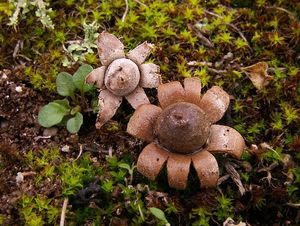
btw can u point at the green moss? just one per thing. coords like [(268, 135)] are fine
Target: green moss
[(38, 210), (270, 115)]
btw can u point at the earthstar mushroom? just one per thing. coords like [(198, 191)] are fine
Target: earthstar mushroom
[(122, 75), (181, 132)]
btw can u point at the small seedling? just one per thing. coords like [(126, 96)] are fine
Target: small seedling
[(83, 50), (159, 214), (200, 216), (61, 112)]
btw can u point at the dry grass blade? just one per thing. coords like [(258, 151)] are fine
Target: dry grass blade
[(230, 25), (63, 212), (205, 41), (126, 11)]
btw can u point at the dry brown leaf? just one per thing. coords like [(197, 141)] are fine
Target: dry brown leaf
[(258, 75), (260, 149), (235, 176)]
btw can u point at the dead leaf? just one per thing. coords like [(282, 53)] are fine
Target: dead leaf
[(260, 149), (235, 177), (258, 75)]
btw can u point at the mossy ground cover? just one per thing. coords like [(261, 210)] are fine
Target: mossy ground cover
[(213, 40)]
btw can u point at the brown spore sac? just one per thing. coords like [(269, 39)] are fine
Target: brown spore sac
[(122, 77), (182, 127)]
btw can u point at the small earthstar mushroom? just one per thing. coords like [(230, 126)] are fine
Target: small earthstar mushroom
[(182, 132), (122, 75)]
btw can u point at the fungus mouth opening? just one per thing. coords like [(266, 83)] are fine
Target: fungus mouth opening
[(122, 77), (182, 128)]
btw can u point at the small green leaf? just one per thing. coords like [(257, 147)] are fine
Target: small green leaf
[(79, 78), (64, 83), (63, 102), (74, 124), (159, 214), (52, 114), (124, 166), (107, 186), (75, 109), (296, 172)]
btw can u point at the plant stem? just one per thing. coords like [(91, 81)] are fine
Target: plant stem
[(126, 11), (63, 212)]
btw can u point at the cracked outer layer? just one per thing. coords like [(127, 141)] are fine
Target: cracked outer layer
[(122, 77), (182, 128)]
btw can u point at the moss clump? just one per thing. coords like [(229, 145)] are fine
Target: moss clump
[(212, 40)]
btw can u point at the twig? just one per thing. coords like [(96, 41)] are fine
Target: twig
[(291, 15), (25, 174), (41, 137), (199, 63), (268, 169), (24, 57), (17, 48), (240, 33), (205, 41), (213, 14), (63, 212), (110, 152), (222, 179), (143, 4), (293, 204), (232, 26), (80, 152), (235, 177), (215, 71), (126, 11), (206, 64)]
